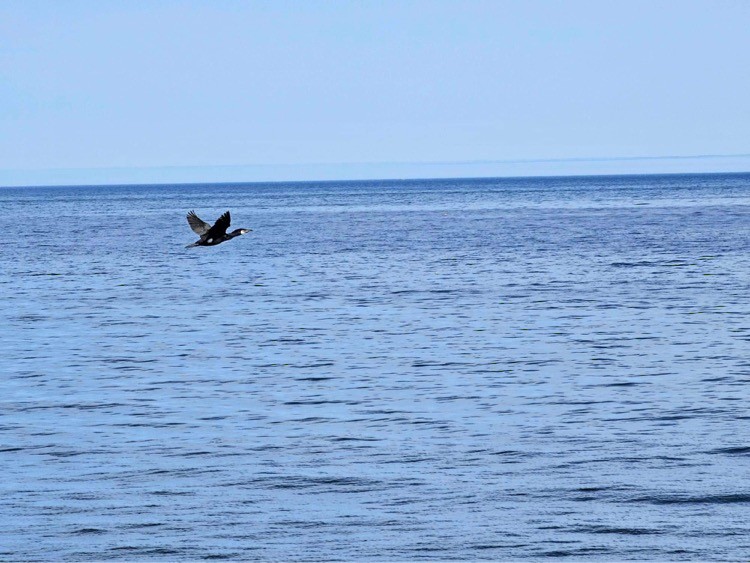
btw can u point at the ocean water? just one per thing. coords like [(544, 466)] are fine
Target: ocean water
[(401, 370)]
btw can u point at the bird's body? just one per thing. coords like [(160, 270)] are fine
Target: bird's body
[(211, 236)]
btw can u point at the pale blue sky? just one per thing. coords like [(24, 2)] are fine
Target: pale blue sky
[(218, 90)]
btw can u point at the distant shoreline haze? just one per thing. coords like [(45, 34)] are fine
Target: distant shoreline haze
[(377, 171)]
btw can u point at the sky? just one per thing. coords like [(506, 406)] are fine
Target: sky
[(220, 90)]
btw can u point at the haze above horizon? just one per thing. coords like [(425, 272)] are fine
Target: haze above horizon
[(137, 91)]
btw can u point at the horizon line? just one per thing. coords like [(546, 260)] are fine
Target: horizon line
[(411, 179), (374, 171), (383, 163)]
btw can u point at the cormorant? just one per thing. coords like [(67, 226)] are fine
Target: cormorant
[(211, 236)]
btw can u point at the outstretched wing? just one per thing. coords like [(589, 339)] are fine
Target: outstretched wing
[(220, 227), (199, 227)]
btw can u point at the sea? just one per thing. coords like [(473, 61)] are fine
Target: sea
[(401, 370)]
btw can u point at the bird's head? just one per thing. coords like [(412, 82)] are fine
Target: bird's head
[(238, 232)]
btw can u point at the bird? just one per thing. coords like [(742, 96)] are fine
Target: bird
[(211, 236)]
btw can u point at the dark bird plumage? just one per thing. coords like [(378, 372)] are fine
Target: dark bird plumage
[(211, 236)]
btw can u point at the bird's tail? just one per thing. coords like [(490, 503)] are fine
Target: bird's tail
[(191, 245)]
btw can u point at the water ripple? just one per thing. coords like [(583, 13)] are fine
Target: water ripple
[(456, 370)]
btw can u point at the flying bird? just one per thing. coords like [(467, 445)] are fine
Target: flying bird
[(211, 236)]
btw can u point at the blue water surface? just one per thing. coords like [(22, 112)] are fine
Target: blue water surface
[(399, 370)]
